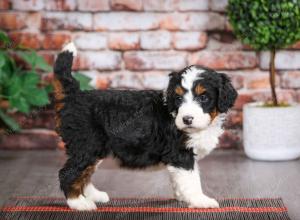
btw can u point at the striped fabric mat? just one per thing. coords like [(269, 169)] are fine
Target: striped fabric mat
[(37, 208)]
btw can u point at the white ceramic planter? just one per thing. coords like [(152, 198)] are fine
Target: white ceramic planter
[(271, 133)]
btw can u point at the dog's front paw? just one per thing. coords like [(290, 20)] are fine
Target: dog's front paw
[(203, 201)]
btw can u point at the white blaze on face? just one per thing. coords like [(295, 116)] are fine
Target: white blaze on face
[(189, 106)]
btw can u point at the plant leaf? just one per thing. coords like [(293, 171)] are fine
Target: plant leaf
[(84, 81), (2, 59), (42, 64), (4, 38), (37, 97), (30, 80), (14, 86), (34, 60), (11, 123), (29, 57), (19, 103), (49, 88)]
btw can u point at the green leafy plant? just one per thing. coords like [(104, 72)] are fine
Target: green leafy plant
[(266, 25), (84, 81), (21, 87)]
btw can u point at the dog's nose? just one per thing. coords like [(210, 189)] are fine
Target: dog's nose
[(187, 120)]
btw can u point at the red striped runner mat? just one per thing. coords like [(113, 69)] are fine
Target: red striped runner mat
[(35, 208)]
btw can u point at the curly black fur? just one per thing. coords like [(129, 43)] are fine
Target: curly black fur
[(134, 126)]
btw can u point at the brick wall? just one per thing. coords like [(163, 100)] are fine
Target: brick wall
[(135, 43)]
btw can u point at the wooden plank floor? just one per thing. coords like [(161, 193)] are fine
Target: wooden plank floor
[(223, 173)]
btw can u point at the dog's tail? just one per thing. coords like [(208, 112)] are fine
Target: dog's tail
[(64, 84)]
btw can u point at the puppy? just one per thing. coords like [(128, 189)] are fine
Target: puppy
[(140, 129)]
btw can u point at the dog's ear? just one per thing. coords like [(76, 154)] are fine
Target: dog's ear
[(172, 75), (227, 94), (174, 79)]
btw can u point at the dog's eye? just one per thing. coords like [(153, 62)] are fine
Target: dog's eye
[(202, 98), (178, 98)]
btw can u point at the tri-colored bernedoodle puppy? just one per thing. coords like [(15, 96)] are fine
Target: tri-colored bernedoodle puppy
[(175, 127)]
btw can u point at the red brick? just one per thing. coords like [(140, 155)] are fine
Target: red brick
[(98, 60), (48, 56), (158, 5), (218, 5), (4, 4), (55, 40), (243, 98), (102, 84), (287, 60), (173, 5), (192, 5), (69, 21), (290, 79), (90, 41), (224, 42), (33, 21), (230, 139), (224, 60), (29, 40), (258, 81), (172, 21), (134, 5), (189, 40), (126, 21), (93, 5), (30, 139), (60, 5), (228, 26), (98, 80), (28, 5), (234, 120), (126, 80), (130, 80), (12, 20), (124, 41), (287, 96), (155, 80), (154, 60), (193, 21), (155, 40), (237, 79)]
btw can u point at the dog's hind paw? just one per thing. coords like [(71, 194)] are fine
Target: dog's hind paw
[(94, 194), (81, 204)]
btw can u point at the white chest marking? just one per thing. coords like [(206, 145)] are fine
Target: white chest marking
[(203, 142)]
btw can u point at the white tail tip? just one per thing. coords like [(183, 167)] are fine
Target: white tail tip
[(70, 47)]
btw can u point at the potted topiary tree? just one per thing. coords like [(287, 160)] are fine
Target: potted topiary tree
[(272, 129)]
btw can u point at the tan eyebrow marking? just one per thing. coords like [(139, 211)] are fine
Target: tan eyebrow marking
[(179, 90), (199, 90)]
